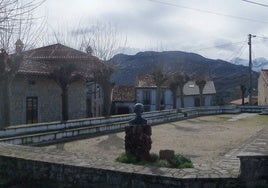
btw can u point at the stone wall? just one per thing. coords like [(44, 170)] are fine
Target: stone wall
[(48, 94), (53, 132), (49, 99), (71, 175), (254, 167)]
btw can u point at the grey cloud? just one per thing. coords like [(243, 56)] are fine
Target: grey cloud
[(224, 44)]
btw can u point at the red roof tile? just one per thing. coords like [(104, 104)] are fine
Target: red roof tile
[(123, 94)]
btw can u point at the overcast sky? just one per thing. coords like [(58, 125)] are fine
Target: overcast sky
[(216, 29)]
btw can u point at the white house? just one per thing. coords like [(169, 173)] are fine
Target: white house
[(146, 94)]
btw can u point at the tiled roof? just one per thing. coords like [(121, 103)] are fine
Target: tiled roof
[(123, 94), (40, 61), (55, 52), (190, 88), (146, 81), (34, 67)]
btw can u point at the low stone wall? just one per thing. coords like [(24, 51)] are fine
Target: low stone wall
[(253, 167), (108, 126), (86, 175), (52, 126), (252, 109), (254, 161), (210, 110)]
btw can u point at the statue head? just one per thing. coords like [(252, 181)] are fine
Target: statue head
[(139, 108)]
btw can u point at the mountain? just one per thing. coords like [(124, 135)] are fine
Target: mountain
[(227, 77), (257, 64)]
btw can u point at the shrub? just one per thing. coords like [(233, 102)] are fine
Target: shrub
[(179, 161), (162, 163), (126, 158)]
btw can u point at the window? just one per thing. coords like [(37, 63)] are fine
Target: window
[(146, 96), (31, 110)]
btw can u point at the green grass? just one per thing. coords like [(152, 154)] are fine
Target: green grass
[(179, 161)]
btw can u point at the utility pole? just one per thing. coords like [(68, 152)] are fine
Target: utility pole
[(250, 70)]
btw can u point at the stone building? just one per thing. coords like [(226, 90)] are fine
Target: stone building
[(263, 88), (36, 97), (123, 98)]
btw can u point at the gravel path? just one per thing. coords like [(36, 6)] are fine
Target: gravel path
[(205, 139)]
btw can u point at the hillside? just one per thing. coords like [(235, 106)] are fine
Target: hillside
[(226, 76)]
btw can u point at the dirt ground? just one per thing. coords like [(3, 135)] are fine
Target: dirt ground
[(204, 139)]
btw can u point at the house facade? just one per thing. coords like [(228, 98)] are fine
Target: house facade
[(146, 93), (263, 88), (36, 97)]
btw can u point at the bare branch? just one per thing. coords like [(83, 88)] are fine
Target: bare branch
[(104, 39), (17, 22)]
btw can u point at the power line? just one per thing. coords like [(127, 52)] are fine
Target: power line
[(208, 12), (256, 3)]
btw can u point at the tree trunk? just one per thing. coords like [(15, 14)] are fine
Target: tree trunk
[(5, 103), (174, 99), (65, 104), (243, 98), (107, 102), (182, 97), (201, 99), (158, 98)]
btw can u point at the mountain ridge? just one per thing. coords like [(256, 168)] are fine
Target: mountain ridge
[(227, 77)]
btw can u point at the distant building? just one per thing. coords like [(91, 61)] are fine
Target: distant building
[(36, 97), (263, 88), (146, 94), (123, 98)]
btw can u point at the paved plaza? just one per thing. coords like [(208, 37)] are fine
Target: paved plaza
[(212, 142)]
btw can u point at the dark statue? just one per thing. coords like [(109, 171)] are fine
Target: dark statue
[(138, 136)]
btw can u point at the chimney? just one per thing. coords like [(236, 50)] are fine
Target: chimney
[(19, 46)]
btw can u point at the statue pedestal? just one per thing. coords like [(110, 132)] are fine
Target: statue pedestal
[(138, 141)]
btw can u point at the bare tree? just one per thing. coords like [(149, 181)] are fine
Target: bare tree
[(64, 75), (17, 22), (159, 78), (103, 38), (178, 80), (201, 82)]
